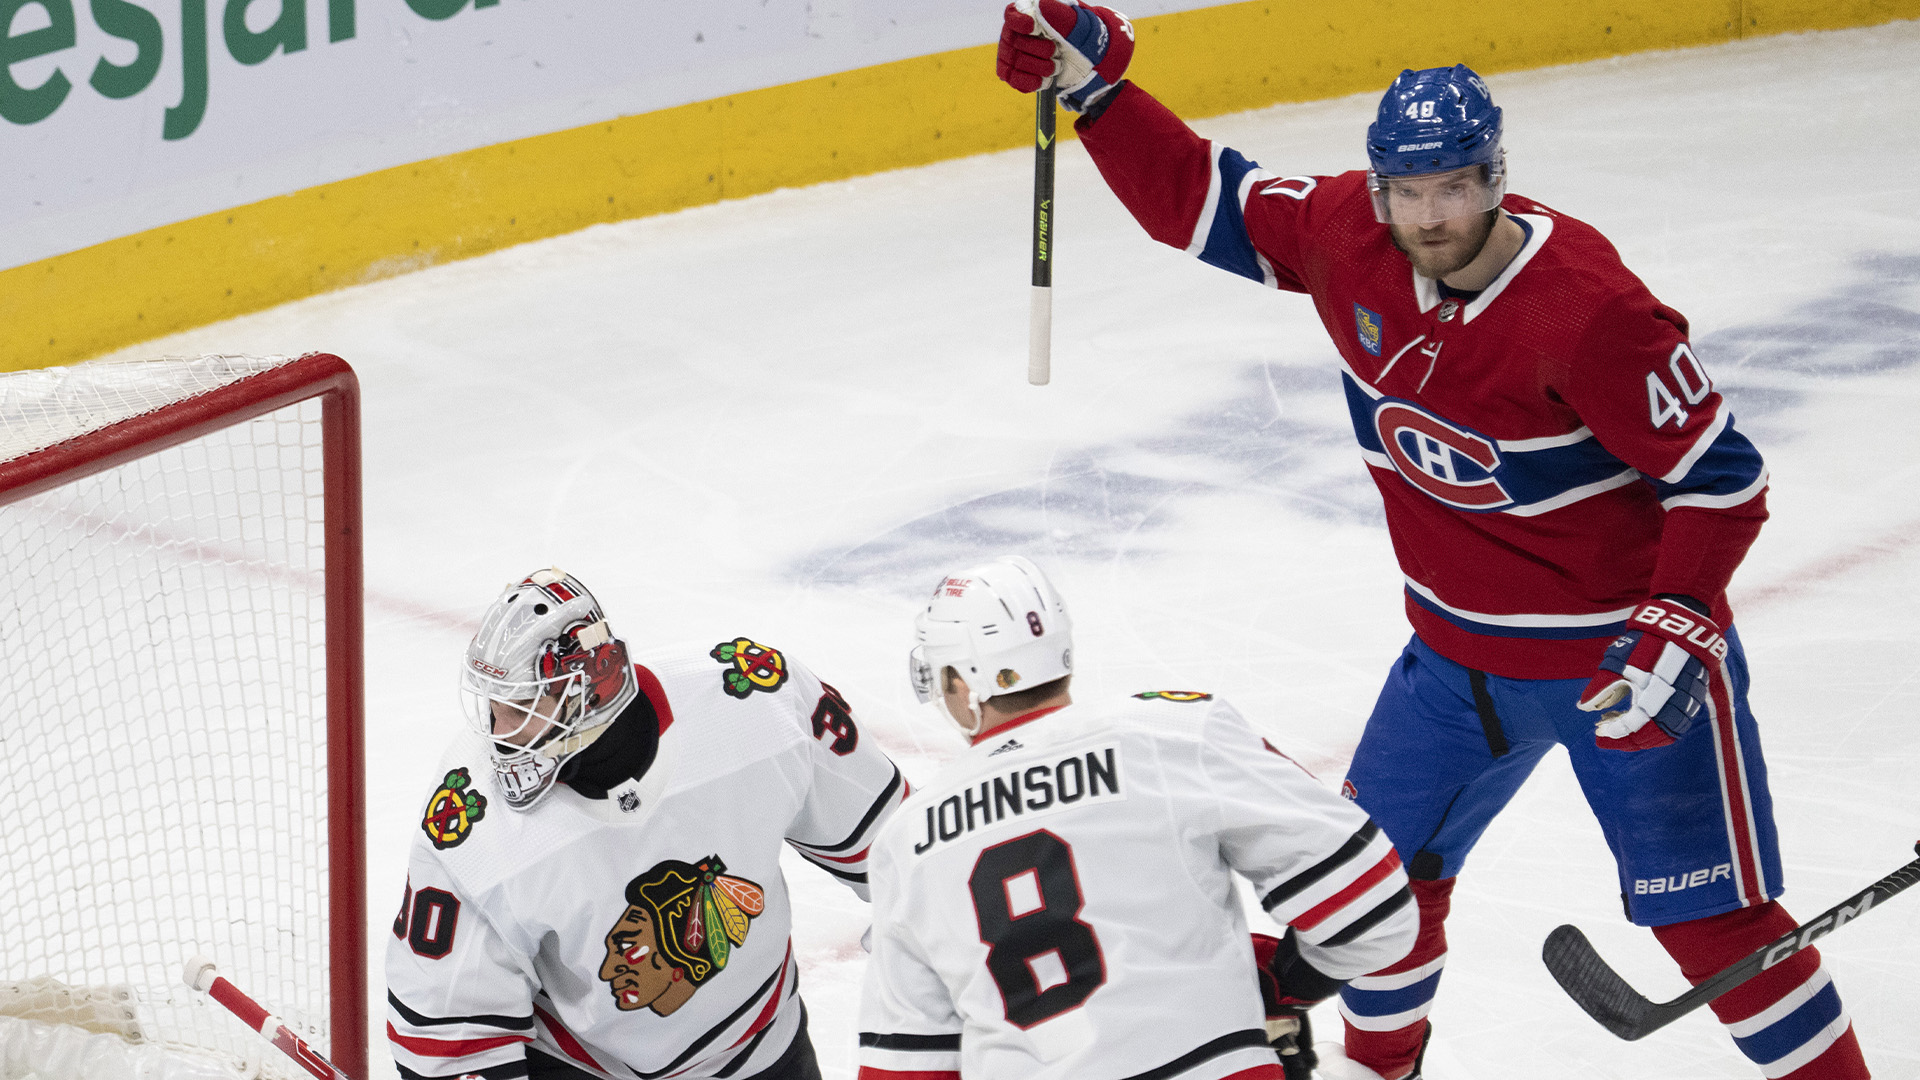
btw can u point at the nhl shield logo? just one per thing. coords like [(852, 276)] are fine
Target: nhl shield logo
[(1448, 308), (1366, 325)]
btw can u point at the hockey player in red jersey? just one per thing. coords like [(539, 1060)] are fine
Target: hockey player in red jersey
[(595, 890), (1059, 903), (1567, 497)]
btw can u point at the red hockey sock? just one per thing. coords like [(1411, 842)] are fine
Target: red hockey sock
[(1788, 1018), (1395, 1053)]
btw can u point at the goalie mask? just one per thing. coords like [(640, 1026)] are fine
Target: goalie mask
[(1001, 627), (542, 680)]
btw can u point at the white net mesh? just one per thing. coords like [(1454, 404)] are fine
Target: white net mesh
[(51, 405), (164, 679)]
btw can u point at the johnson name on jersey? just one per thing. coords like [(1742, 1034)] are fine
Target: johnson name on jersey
[(644, 934), (1072, 874), (1550, 451)]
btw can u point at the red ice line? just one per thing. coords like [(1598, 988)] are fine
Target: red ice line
[(1890, 544)]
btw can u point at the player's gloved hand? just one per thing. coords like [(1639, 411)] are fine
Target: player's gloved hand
[(1656, 677), (1084, 48), (1289, 986)]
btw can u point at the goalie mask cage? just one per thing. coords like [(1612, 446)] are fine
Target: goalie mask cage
[(180, 667)]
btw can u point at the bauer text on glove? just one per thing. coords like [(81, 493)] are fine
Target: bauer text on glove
[(1657, 677)]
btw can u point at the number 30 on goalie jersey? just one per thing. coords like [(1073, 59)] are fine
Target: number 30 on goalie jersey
[(1067, 876)]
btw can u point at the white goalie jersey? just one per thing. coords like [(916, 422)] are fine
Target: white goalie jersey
[(1059, 902), (644, 934)]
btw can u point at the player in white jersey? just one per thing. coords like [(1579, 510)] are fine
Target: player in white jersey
[(595, 889), (1059, 901)]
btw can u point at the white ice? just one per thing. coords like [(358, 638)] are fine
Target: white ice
[(785, 416)]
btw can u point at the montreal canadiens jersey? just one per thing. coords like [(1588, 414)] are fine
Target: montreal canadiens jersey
[(1550, 451), (645, 934), (1059, 902)]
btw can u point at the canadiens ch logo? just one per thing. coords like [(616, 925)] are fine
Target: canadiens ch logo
[(1451, 464), (752, 666), (1367, 324), (1173, 695), (453, 809), (681, 925)]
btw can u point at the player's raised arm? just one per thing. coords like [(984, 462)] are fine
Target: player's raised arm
[(1186, 191)]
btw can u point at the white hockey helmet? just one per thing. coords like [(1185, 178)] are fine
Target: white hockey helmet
[(542, 679), (1000, 626)]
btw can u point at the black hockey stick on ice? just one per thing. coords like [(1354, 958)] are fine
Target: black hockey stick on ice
[(1622, 1010), (1040, 314)]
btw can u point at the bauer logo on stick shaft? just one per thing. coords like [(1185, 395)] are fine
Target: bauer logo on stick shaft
[(1040, 311)]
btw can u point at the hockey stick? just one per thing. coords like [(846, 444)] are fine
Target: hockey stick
[(201, 976), (1622, 1010), (1040, 314)]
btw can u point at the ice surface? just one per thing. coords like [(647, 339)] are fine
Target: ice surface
[(784, 416)]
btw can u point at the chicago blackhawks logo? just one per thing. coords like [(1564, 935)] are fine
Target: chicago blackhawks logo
[(752, 666), (453, 809), (681, 925), (1173, 695)]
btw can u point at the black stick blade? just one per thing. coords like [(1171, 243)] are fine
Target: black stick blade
[(1596, 987)]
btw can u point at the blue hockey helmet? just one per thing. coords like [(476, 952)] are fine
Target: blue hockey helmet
[(1437, 120), (1432, 121)]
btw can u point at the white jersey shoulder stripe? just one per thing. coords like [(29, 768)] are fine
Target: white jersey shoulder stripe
[(1718, 502), (1700, 446), (1203, 226)]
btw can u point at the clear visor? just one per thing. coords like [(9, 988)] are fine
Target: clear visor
[(1437, 197), (522, 715), (920, 674), (948, 640)]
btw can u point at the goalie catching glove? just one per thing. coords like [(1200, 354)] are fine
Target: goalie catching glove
[(1083, 48), (1666, 668), (1289, 986)]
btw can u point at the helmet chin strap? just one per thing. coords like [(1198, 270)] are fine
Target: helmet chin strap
[(971, 731)]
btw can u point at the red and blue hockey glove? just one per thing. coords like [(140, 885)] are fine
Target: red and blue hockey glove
[(1085, 49), (1289, 986), (1666, 668)]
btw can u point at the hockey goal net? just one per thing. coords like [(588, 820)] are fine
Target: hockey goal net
[(180, 665)]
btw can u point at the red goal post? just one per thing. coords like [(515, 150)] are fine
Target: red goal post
[(180, 541)]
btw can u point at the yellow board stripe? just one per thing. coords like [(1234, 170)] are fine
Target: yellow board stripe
[(911, 112)]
